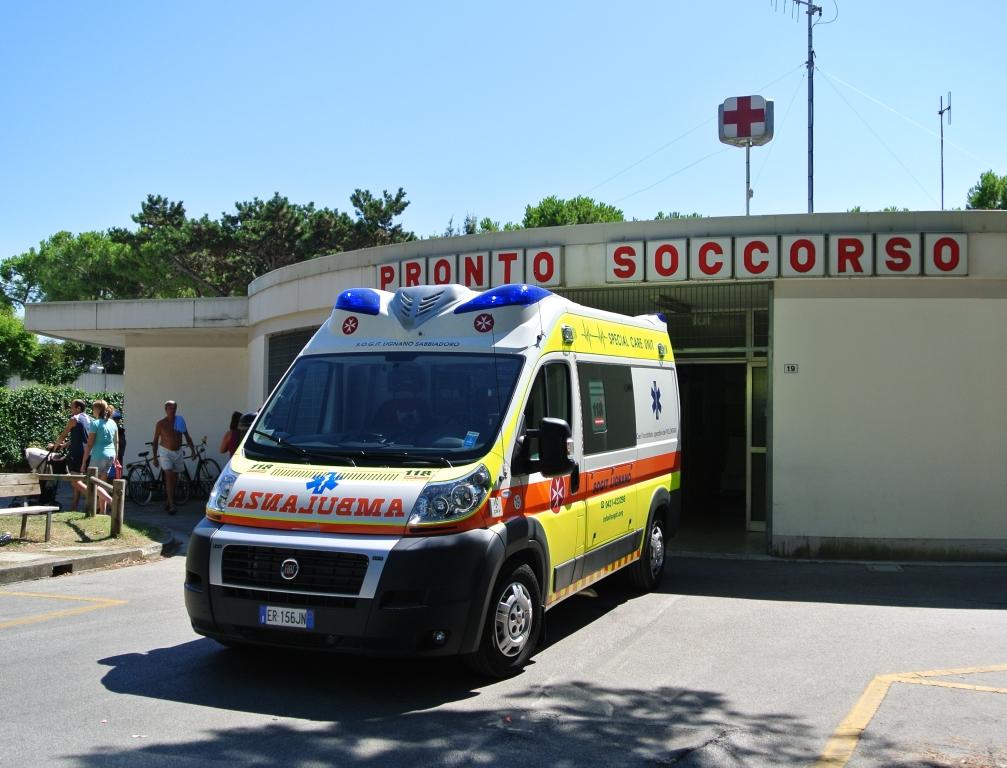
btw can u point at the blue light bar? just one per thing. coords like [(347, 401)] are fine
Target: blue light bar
[(662, 317), (365, 301), (511, 295)]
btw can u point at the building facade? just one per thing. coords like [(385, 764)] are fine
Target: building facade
[(842, 375)]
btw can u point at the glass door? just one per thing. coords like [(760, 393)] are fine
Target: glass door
[(758, 396)]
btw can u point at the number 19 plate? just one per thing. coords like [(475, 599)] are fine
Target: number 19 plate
[(298, 618)]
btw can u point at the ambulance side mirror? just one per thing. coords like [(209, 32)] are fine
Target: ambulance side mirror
[(555, 444)]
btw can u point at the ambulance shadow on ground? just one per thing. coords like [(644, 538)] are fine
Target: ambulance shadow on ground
[(911, 586), (287, 683), (381, 722)]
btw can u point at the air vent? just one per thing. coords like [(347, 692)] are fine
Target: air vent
[(414, 306)]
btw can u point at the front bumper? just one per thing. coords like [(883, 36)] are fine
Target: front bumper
[(414, 590)]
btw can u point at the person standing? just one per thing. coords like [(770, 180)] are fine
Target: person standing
[(168, 434), (117, 417), (76, 429), (232, 437), (102, 443)]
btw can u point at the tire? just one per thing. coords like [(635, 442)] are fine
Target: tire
[(140, 484), (647, 572), (513, 624), (183, 489), (206, 475)]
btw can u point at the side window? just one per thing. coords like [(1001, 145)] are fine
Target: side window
[(607, 408), (549, 396)]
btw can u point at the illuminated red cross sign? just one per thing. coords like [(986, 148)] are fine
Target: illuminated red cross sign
[(744, 119)]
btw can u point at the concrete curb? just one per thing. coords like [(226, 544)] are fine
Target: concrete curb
[(688, 554), (57, 565)]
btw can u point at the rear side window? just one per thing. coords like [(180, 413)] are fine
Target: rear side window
[(606, 398)]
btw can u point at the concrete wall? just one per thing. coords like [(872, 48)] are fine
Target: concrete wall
[(895, 425), (207, 383)]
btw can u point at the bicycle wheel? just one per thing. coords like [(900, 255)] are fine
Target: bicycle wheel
[(140, 484), (206, 475), (183, 488)]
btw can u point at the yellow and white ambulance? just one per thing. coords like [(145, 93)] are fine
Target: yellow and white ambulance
[(436, 470)]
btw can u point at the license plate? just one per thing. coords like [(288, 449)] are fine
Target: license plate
[(299, 618)]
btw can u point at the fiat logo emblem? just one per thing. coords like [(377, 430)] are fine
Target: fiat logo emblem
[(289, 569)]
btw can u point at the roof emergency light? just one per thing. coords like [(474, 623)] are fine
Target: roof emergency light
[(514, 294), (365, 301)]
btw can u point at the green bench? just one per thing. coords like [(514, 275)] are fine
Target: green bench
[(23, 485)]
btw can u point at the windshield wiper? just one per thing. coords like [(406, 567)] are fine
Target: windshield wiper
[(337, 454), (282, 442), (434, 461), (312, 453)]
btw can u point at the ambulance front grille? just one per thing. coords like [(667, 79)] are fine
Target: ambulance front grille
[(319, 571)]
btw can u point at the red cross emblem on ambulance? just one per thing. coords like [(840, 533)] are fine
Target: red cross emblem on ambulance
[(557, 493), (483, 323), (350, 324)]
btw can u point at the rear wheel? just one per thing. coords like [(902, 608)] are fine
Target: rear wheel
[(646, 573), (206, 475), (140, 484), (513, 624)]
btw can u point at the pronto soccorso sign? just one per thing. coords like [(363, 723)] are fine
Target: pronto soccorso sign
[(749, 257)]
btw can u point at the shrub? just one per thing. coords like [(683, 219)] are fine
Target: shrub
[(34, 416)]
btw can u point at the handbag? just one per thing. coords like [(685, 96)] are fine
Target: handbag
[(115, 471)]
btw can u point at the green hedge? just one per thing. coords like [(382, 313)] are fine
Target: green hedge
[(34, 416)]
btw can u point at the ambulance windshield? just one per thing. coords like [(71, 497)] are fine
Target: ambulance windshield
[(388, 408)]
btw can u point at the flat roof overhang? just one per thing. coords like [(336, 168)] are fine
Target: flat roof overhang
[(147, 322)]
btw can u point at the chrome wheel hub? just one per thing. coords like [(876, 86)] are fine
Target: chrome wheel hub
[(656, 549), (514, 615)]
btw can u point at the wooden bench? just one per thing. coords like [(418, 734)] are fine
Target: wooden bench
[(24, 485)]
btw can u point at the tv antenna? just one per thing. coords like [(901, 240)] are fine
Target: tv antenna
[(812, 9), (940, 116)]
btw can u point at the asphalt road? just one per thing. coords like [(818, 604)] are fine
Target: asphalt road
[(732, 663)]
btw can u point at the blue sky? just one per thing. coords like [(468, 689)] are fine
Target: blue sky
[(482, 108)]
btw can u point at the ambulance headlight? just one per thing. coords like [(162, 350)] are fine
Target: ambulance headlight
[(220, 493), (453, 500)]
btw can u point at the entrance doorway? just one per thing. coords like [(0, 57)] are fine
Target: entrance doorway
[(713, 445), (724, 444), (720, 335)]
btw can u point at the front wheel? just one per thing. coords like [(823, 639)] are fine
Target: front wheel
[(140, 484), (513, 624), (646, 573)]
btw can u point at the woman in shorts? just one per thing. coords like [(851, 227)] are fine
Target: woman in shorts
[(102, 442)]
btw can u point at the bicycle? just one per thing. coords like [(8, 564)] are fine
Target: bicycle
[(142, 482), (201, 482)]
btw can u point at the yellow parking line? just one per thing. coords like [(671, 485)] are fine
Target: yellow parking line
[(946, 684), (959, 671), (839, 749), (93, 604)]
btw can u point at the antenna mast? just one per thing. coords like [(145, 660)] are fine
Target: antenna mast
[(940, 116), (812, 9)]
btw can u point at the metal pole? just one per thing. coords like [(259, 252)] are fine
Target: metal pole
[(940, 116), (748, 174), (811, 114), (941, 113)]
